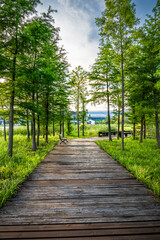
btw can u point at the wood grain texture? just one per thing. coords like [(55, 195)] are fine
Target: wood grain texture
[(80, 192)]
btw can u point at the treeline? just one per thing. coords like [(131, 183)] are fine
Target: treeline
[(33, 70), (126, 72)]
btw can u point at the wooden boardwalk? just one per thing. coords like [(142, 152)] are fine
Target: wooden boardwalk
[(79, 192)]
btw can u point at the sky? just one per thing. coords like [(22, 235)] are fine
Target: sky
[(78, 31)]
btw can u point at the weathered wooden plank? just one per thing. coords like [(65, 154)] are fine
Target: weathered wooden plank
[(63, 227), (109, 182), (80, 233), (54, 176), (45, 220), (135, 237), (84, 212)]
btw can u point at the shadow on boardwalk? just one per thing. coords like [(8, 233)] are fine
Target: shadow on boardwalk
[(89, 195)]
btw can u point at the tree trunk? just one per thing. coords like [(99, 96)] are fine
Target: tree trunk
[(38, 122), (60, 125), (134, 124), (60, 122), (156, 118), (78, 123), (33, 128), (53, 128), (83, 126), (118, 123), (46, 133), (83, 120), (109, 121), (141, 133), (47, 116), (38, 129), (144, 121), (11, 123), (122, 135), (78, 110), (63, 127), (5, 138), (11, 115), (28, 133), (134, 131)]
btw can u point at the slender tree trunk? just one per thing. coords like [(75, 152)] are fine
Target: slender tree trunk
[(156, 118), (141, 133), (53, 127), (60, 122), (109, 121), (33, 128), (28, 132), (63, 127), (11, 124), (144, 121), (47, 117), (60, 125), (78, 123), (118, 123), (134, 124), (4, 123), (46, 133), (38, 129), (33, 113), (122, 135), (11, 115), (38, 122), (53, 121), (134, 131), (78, 111), (83, 120)]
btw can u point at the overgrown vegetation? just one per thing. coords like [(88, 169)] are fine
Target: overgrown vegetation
[(14, 170), (141, 159)]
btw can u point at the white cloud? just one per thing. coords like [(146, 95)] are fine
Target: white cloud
[(78, 32), (75, 29)]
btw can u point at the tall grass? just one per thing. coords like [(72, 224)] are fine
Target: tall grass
[(141, 159), (13, 171)]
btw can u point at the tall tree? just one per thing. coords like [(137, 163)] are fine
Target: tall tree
[(151, 49), (102, 77), (116, 24), (12, 16), (78, 81)]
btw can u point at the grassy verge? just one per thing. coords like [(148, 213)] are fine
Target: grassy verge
[(13, 171), (142, 160)]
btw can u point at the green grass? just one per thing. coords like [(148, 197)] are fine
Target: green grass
[(93, 130), (142, 160), (14, 171)]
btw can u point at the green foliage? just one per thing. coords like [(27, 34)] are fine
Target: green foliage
[(141, 159), (79, 93), (15, 170), (34, 68)]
